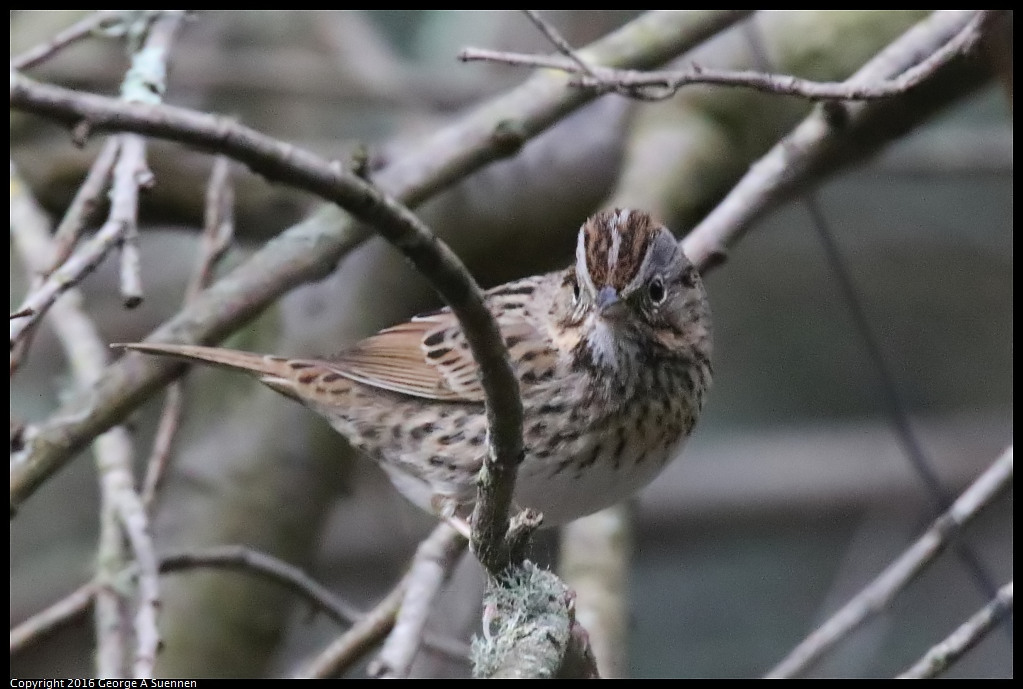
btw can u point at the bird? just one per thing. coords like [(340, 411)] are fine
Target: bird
[(612, 355)]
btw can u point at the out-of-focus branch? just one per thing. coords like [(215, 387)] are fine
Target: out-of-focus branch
[(814, 143), (218, 230), (966, 636), (876, 596), (432, 565), (237, 558), (351, 646), (121, 511), (311, 249), (53, 617), (665, 84), (411, 599), (143, 83), (71, 226), (594, 562), (249, 560), (77, 31)]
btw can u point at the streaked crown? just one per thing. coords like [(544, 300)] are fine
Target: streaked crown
[(613, 245)]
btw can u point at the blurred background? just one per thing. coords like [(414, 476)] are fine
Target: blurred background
[(794, 491)]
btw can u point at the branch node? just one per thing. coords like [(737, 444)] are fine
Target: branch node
[(81, 132)]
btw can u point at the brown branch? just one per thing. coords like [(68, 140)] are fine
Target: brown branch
[(970, 633), (311, 249), (665, 84), (438, 552), (432, 565), (80, 29), (879, 593)]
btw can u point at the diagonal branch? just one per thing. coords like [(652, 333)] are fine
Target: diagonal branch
[(815, 143), (876, 596), (77, 31), (966, 636)]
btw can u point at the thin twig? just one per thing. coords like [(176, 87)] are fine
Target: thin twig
[(249, 560), (218, 231), (896, 410), (237, 558), (877, 595), (83, 205), (782, 170), (555, 37), (966, 636), (111, 613), (80, 29), (432, 565), (665, 84), (45, 622), (311, 250), (120, 512), (351, 646), (218, 227), (124, 207), (64, 278), (144, 83)]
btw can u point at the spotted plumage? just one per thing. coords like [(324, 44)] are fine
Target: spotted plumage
[(612, 356)]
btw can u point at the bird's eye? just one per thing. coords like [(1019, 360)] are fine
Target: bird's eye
[(656, 290)]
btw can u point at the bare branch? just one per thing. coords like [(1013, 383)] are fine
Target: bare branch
[(80, 29), (558, 40), (432, 565), (143, 83), (594, 562), (792, 160), (246, 559), (111, 613), (124, 207), (311, 249), (876, 596), (348, 648), (965, 637), (121, 507), (44, 622), (71, 226), (665, 84), (218, 230)]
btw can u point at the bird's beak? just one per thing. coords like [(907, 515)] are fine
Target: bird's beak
[(609, 304)]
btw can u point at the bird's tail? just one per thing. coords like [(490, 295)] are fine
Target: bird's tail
[(274, 371)]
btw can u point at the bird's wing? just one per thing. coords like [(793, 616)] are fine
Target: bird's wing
[(426, 357)]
